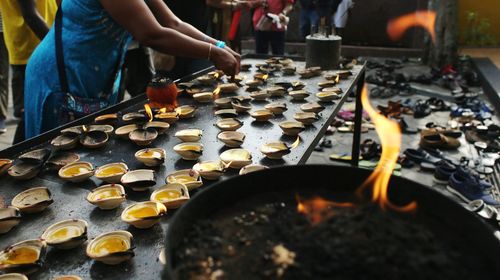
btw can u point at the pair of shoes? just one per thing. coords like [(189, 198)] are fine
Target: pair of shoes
[(470, 187), (443, 172), (435, 139), (3, 128)]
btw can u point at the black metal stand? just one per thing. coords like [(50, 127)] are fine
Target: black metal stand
[(358, 119)]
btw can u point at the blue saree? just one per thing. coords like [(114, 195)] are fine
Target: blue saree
[(93, 45)]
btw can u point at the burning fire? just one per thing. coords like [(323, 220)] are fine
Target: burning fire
[(337, 79), (265, 77), (425, 19), (163, 110), (296, 143), (389, 133), (318, 209), (149, 112), (216, 92)]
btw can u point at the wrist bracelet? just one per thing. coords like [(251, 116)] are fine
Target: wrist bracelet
[(220, 44), (209, 50)]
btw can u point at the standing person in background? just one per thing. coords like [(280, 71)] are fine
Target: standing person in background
[(25, 24), (195, 13), (308, 17), (224, 23), (268, 31), (341, 15), (4, 82)]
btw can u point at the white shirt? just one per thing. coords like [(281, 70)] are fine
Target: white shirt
[(341, 15)]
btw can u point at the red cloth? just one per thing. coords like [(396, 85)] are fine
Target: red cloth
[(274, 7), (235, 23)]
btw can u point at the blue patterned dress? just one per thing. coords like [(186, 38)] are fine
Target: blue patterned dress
[(93, 44)]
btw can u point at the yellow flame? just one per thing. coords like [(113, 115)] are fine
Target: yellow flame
[(425, 19), (163, 110), (216, 75), (216, 92), (389, 133), (265, 77), (337, 79), (318, 209), (85, 128), (295, 144), (149, 112)]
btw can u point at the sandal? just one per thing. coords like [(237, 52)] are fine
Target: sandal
[(421, 110), (438, 140), (405, 128), (370, 149)]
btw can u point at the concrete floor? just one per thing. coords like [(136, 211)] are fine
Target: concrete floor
[(491, 53)]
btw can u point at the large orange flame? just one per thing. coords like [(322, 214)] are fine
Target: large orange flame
[(149, 112), (318, 209), (389, 133), (425, 19)]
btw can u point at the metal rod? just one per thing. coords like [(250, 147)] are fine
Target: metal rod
[(358, 118)]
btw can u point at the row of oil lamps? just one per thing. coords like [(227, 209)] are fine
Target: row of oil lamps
[(115, 247)]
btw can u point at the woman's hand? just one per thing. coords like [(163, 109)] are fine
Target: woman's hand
[(225, 61)]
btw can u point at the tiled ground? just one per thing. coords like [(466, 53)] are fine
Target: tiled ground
[(342, 141)]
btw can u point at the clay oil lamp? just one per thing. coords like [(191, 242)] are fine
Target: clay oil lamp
[(277, 108), (259, 95), (298, 85), (263, 115), (228, 88), (168, 117), (13, 276), (276, 91), (226, 113), (277, 150), (241, 107), (125, 130), (326, 84), (151, 157), (9, 218), (144, 214), (289, 69), (204, 97), (206, 80), (139, 180), (186, 111), (107, 197), (245, 67), (229, 124), (112, 172), (327, 96), (110, 119), (77, 172), (172, 196), (111, 248), (292, 128), (232, 139), (24, 257), (143, 136), (189, 135), (67, 234), (236, 158), (28, 164), (33, 200), (252, 168), (188, 177), (5, 164), (306, 118), (189, 150), (298, 95), (210, 170), (312, 107), (61, 159), (223, 103)]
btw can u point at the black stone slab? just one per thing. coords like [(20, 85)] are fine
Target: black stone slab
[(69, 198)]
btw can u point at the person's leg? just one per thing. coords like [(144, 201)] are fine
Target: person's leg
[(314, 18), (17, 83), (261, 42), (278, 42), (4, 83), (304, 23)]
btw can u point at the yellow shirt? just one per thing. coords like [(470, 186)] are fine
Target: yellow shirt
[(19, 38)]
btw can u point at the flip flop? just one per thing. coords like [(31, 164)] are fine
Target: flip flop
[(342, 158)]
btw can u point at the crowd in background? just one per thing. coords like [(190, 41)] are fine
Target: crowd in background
[(24, 23)]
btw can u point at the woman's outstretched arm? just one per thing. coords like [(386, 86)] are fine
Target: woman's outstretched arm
[(137, 18)]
